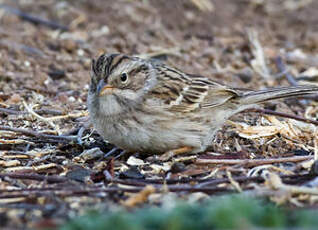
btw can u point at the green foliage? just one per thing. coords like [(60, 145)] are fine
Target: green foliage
[(231, 212)]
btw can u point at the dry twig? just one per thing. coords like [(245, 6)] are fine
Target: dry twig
[(37, 177), (253, 162), (281, 67), (281, 114), (34, 19), (275, 182), (204, 5), (39, 135), (259, 63), (140, 197), (30, 110)]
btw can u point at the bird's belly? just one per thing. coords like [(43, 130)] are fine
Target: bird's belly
[(150, 134)]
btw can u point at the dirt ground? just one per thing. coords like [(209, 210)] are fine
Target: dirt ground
[(46, 49)]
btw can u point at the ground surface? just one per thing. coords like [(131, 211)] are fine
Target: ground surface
[(44, 77)]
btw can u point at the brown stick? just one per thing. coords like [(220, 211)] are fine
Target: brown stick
[(291, 79), (11, 111), (281, 114), (39, 111), (98, 191), (37, 177), (210, 186), (132, 182), (253, 162), (289, 179), (34, 19), (281, 67), (201, 183), (38, 135)]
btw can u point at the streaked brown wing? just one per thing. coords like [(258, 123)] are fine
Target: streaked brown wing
[(186, 93)]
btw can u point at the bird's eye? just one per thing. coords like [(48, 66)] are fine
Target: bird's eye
[(124, 77)]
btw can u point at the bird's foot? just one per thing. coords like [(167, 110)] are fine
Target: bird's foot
[(172, 153)]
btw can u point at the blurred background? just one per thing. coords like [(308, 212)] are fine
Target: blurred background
[(208, 37)]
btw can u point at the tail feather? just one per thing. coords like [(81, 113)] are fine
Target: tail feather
[(276, 93)]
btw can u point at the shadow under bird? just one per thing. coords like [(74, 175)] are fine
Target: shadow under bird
[(147, 107)]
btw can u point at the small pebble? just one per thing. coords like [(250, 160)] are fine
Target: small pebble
[(69, 45), (314, 168), (14, 99), (177, 167), (27, 63), (80, 52), (133, 173), (71, 99)]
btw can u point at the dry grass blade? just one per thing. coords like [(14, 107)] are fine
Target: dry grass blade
[(293, 5), (234, 183), (30, 110), (31, 168), (70, 115), (140, 197), (175, 51), (204, 5), (275, 182), (10, 163), (259, 63)]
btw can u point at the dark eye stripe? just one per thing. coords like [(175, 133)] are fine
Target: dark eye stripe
[(116, 61), (137, 70)]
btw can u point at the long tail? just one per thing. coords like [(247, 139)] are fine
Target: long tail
[(276, 93)]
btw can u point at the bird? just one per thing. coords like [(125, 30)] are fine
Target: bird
[(145, 106)]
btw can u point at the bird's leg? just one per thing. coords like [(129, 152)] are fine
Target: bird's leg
[(123, 152), (113, 150), (167, 155)]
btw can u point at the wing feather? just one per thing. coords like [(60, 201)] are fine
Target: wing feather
[(185, 93)]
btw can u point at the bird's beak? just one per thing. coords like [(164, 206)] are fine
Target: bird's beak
[(103, 88), (107, 89)]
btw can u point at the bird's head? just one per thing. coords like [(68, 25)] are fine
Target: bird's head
[(118, 82)]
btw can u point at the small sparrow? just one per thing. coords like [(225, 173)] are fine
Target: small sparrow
[(147, 107)]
